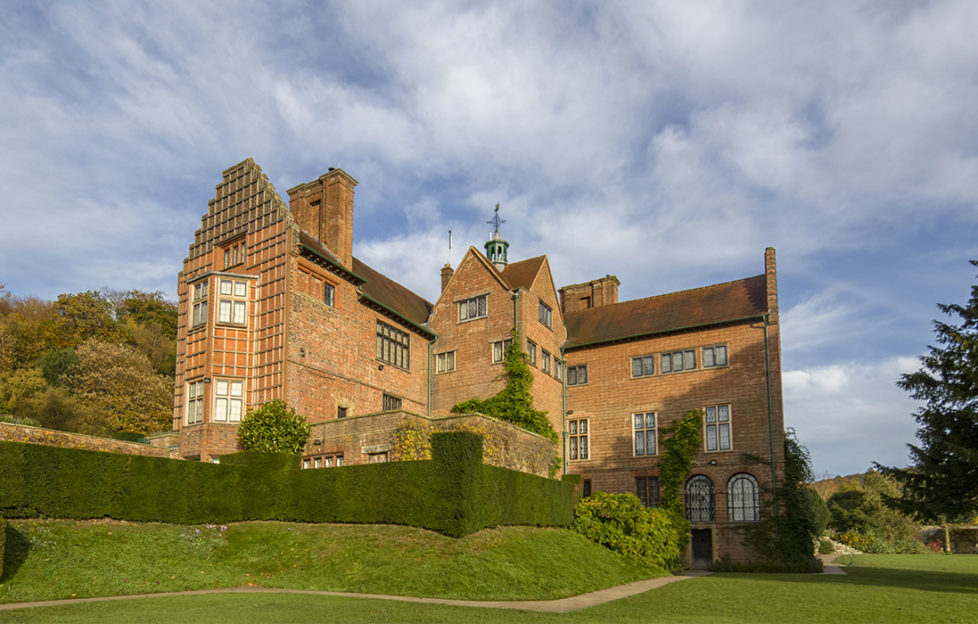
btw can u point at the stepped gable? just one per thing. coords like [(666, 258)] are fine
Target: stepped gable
[(244, 201), (392, 295), (716, 304), (522, 274)]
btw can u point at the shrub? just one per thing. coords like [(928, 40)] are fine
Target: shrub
[(821, 511), (3, 542), (273, 428), (825, 546), (620, 522)]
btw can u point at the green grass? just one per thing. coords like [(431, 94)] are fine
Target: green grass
[(891, 589), (53, 559)]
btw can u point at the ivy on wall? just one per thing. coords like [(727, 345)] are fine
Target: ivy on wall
[(514, 403)]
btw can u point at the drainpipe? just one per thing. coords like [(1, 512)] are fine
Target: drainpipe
[(563, 409), (430, 343), (770, 424)]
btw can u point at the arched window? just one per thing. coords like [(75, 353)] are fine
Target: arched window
[(699, 500), (743, 504)]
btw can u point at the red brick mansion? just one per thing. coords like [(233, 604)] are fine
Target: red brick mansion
[(273, 304)]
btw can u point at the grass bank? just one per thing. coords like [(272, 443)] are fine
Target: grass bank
[(936, 589), (55, 559)]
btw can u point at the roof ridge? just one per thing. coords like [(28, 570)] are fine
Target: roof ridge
[(669, 294)]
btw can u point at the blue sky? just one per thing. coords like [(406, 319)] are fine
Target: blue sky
[(667, 143)]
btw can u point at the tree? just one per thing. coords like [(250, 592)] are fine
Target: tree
[(273, 428), (941, 482), (126, 394)]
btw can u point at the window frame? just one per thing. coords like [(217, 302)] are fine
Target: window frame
[(234, 253), (713, 350), (498, 349), (195, 402), (546, 315), (642, 360), (531, 352), (647, 490), (578, 431), (718, 426), (391, 403), (574, 371), (684, 356), (481, 304), (744, 502), (545, 361), (199, 294), (233, 301), (227, 414), (642, 432), (699, 486), (393, 346), (329, 293), (445, 362)]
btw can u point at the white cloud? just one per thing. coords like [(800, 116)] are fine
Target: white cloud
[(850, 414)]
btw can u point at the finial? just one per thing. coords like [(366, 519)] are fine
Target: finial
[(495, 221)]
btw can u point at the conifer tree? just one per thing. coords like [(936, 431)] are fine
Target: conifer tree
[(943, 480)]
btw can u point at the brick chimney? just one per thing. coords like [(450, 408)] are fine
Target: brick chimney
[(599, 292), (446, 274), (324, 208), (771, 275)]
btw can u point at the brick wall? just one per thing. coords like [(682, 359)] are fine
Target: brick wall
[(355, 438), (50, 437), (611, 397)]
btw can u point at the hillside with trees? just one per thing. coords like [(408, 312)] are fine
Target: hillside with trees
[(96, 362)]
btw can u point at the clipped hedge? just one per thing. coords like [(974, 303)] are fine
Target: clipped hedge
[(453, 493), (3, 543)]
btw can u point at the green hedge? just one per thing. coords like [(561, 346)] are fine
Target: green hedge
[(3, 543), (453, 493)]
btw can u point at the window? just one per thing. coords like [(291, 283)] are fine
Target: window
[(586, 488), (195, 402), (714, 356), (499, 349), (228, 400), (699, 500), (531, 352), (232, 310), (234, 254), (743, 504), (577, 438), (200, 303), (391, 403), (643, 366), (324, 461), (717, 428), (317, 462), (306, 464), (577, 375), (329, 294), (647, 490), (546, 314), (677, 361), (393, 345), (445, 362), (545, 361), (644, 433), (558, 368), (341, 412), (473, 308)]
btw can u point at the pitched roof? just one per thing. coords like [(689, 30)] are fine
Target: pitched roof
[(392, 295), (374, 285), (709, 305), (521, 274)]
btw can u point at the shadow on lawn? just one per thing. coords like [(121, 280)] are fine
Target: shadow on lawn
[(923, 580), (15, 552)]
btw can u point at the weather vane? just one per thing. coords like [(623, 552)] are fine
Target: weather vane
[(495, 221)]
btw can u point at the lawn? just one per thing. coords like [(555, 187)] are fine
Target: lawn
[(54, 559), (913, 589)]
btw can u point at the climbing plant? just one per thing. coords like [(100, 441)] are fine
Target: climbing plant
[(513, 403), (681, 443)]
